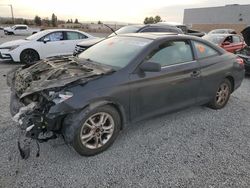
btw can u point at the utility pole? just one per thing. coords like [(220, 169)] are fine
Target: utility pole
[(11, 9)]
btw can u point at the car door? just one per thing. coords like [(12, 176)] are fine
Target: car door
[(72, 39), (20, 30), (228, 44), (175, 86), (238, 44), (212, 67), (53, 44)]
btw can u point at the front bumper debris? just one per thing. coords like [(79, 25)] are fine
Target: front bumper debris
[(32, 127)]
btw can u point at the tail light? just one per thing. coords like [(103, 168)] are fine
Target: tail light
[(240, 61)]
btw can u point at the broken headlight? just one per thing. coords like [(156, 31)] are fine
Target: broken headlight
[(61, 96)]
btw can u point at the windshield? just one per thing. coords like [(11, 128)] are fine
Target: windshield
[(37, 35), (33, 37), (127, 29), (214, 38), (219, 31), (116, 51)]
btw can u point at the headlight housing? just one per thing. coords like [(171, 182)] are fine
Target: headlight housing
[(13, 47), (60, 96), (10, 48)]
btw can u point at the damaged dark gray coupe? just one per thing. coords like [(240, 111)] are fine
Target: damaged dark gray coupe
[(123, 79)]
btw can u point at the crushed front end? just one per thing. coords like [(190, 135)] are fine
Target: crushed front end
[(37, 88)]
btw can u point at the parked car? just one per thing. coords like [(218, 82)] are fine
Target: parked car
[(20, 30), (123, 79), (222, 31), (245, 55), (52, 42), (128, 29), (184, 28), (229, 42), (245, 52)]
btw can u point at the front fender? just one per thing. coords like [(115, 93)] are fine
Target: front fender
[(69, 124)]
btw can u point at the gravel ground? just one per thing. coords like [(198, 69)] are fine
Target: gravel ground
[(196, 147)]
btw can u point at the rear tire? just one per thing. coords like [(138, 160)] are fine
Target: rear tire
[(93, 131), (29, 56), (222, 95)]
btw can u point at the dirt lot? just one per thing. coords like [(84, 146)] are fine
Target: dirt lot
[(196, 147)]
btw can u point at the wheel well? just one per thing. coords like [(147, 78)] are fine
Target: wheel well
[(116, 106), (231, 79), (120, 113), (30, 49)]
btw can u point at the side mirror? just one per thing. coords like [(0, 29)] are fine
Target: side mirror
[(226, 43), (150, 67), (45, 40)]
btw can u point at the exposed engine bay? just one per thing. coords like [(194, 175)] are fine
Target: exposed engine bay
[(35, 89)]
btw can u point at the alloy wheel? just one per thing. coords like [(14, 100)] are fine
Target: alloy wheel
[(97, 130), (222, 94)]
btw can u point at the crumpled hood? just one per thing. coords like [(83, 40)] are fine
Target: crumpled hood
[(13, 43), (54, 73), (246, 35)]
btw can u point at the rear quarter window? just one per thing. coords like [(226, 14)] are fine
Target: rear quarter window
[(203, 50)]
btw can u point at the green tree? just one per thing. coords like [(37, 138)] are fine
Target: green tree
[(146, 20), (46, 21), (71, 21), (157, 19), (99, 22), (151, 20), (38, 20), (54, 20), (76, 21)]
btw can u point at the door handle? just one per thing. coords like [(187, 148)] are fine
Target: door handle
[(195, 73)]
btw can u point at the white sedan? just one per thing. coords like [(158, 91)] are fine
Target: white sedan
[(48, 43)]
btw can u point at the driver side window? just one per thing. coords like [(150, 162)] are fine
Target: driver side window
[(172, 52), (56, 36)]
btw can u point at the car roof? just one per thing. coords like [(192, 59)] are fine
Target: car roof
[(149, 35), (151, 25), (52, 30), (223, 34), (174, 36), (20, 25)]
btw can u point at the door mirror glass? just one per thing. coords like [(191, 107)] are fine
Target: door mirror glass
[(150, 67)]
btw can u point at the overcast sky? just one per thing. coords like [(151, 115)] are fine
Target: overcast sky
[(131, 11)]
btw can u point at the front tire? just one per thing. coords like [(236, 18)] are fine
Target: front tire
[(29, 56), (95, 130), (222, 95)]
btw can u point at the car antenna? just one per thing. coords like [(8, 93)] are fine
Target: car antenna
[(110, 28)]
